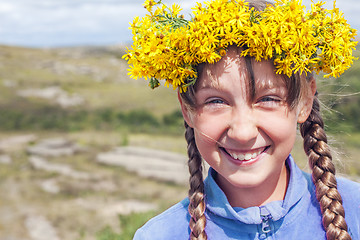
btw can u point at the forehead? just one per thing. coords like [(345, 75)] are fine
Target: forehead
[(265, 76), (235, 71)]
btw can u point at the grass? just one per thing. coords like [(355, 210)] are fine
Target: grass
[(126, 97), (129, 224), (348, 150)]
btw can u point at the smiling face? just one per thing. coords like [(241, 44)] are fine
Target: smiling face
[(245, 137)]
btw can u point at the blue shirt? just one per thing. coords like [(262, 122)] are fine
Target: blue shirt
[(298, 216)]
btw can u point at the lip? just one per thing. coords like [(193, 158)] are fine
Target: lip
[(244, 163)]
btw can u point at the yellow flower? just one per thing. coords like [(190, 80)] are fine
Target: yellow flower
[(148, 4), (166, 46), (175, 10)]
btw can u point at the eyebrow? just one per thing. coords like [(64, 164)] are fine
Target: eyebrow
[(208, 88), (211, 85), (269, 83)]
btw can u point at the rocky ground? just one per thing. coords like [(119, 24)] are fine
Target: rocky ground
[(53, 188)]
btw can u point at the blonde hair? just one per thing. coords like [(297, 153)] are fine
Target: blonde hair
[(315, 146)]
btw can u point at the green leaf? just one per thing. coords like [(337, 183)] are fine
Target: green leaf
[(154, 83)]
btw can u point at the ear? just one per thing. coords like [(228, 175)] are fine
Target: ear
[(185, 112), (307, 102)]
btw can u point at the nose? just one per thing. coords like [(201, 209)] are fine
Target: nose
[(243, 125)]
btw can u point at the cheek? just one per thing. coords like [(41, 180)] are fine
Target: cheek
[(208, 133), (282, 128), (210, 126)]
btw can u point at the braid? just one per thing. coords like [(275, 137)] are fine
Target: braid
[(323, 175), (196, 192)]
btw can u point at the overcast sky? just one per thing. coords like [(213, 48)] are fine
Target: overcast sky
[(51, 23)]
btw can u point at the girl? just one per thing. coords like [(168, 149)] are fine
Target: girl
[(243, 73)]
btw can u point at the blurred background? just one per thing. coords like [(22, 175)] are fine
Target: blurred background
[(86, 152)]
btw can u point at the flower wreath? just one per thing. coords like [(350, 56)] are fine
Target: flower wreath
[(167, 46)]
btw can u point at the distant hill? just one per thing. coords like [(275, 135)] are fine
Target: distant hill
[(96, 74)]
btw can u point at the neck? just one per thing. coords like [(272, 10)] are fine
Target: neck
[(271, 190)]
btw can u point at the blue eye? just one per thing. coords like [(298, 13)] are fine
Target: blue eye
[(269, 102), (269, 99), (215, 101)]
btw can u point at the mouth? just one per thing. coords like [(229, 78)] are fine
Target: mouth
[(245, 155)]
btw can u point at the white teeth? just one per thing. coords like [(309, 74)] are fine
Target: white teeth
[(246, 156)]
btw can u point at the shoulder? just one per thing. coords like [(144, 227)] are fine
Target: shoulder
[(170, 224), (347, 184), (350, 191), (350, 194)]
